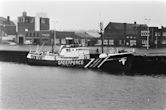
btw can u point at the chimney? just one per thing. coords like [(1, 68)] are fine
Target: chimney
[(8, 18), (24, 13)]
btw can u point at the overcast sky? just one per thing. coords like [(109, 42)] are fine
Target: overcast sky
[(85, 15)]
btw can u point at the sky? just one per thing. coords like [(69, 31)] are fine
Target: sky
[(86, 15)]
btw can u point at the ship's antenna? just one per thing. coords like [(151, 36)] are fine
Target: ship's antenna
[(101, 30)]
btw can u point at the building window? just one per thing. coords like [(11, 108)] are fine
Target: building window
[(20, 20), (68, 50), (30, 34), (111, 42), (76, 41), (163, 42), (105, 42), (83, 42), (127, 43), (63, 41), (98, 42), (23, 20), (144, 43), (120, 42), (57, 41), (164, 33), (132, 42), (26, 20), (32, 20)]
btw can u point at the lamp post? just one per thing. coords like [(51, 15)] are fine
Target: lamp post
[(148, 33)]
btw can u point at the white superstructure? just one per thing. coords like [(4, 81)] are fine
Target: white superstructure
[(69, 52)]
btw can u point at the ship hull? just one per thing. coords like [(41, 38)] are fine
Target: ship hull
[(73, 63), (111, 64), (42, 62), (120, 63), (64, 63), (114, 63)]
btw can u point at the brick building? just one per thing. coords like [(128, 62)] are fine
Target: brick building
[(30, 23), (131, 35), (7, 28)]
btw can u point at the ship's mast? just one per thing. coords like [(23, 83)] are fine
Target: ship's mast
[(53, 40), (101, 36)]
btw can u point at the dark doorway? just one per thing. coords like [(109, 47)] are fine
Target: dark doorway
[(21, 40)]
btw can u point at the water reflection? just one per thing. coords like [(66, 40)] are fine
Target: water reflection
[(35, 87)]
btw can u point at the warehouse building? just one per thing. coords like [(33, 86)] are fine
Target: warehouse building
[(46, 36)]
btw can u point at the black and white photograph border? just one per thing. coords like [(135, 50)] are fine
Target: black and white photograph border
[(82, 55)]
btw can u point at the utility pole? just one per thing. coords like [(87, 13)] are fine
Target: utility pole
[(101, 36)]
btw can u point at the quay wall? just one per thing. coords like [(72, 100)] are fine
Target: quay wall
[(149, 65), (13, 56)]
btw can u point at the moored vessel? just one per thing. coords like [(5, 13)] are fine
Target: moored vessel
[(70, 55)]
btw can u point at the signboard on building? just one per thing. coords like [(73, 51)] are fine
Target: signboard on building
[(145, 33), (164, 33), (45, 35)]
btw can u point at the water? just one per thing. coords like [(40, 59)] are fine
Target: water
[(27, 87)]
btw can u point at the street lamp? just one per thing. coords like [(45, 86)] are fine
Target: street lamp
[(148, 33)]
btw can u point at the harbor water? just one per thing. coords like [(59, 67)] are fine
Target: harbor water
[(27, 87)]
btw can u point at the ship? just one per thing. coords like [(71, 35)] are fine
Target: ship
[(70, 55)]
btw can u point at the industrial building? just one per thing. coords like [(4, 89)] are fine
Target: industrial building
[(29, 23), (46, 36)]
